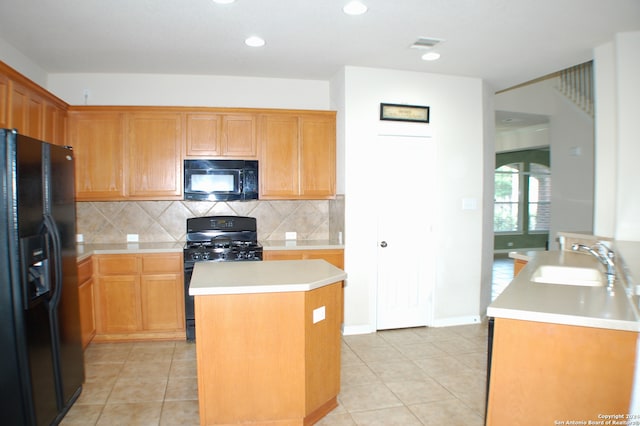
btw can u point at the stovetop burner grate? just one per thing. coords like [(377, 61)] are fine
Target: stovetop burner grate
[(222, 238)]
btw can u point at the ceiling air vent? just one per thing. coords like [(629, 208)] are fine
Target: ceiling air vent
[(426, 43)]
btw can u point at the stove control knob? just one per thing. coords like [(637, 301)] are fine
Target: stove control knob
[(195, 256), (205, 255)]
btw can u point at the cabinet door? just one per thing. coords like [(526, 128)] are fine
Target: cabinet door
[(203, 134), (87, 319), (221, 135), (118, 304), (239, 136), (85, 302), (4, 95), (155, 149), (26, 110), (54, 123), (317, 156), (98, 143), (35, 116), (279, 155), (333, 256), (162, 302)]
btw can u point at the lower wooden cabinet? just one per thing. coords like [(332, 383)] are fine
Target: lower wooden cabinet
[(518, 265), (545, 374), (333, 256), (139, 296), (85, 301)]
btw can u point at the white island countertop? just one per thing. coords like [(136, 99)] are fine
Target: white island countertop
[(584, 306), (274, 276)]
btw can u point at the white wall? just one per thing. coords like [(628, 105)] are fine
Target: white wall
[(606, 141), (457, 129), (571, 133), (189, 90), (338, 104), (488, 167), (25, 66), (617, 90)]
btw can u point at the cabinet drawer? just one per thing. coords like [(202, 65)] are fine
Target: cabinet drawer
[(333, 256), (162, 263), (117, 264), (85, 270)]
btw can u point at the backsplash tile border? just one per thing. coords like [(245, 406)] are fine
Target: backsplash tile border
[(165, 221)]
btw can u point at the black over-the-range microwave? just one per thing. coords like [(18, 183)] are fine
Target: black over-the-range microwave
[(220, 180)]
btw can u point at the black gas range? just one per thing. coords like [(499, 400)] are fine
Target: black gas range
[(217, 239)]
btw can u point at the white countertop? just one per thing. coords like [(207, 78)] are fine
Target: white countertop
[(86, 250), (301, 245), (276, 276), (565, 304)]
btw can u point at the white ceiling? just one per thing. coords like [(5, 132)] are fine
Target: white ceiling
[(505, 42)]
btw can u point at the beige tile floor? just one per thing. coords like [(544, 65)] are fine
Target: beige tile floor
[(417, 376)]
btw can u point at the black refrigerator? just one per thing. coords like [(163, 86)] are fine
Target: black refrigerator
[(41, 357)]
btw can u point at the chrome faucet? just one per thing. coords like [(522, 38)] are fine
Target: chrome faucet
[(604, 255)]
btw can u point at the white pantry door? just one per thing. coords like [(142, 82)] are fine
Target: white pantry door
[(407, 191)]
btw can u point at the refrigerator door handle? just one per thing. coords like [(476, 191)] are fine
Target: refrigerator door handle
[(56, 258)]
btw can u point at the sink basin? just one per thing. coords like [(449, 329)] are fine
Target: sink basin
[(568, 275)]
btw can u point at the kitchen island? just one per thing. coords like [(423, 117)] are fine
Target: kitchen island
[(559, 352), (267, 340)]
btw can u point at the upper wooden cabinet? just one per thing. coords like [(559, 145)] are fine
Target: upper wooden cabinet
[(221, 135), (4, 90), (30, 109), (136, 153), (123, 155), (298, 155), (317, 156), (26, 110), (55, 121), (279, 174), (97, 139), (155, 149)]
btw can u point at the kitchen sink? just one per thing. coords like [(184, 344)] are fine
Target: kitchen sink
[(568, 275)]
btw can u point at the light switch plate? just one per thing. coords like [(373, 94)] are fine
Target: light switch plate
[(469, 204)]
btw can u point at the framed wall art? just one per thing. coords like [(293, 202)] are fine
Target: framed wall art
[(397, 112)]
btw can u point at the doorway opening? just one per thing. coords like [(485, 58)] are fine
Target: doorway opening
[(522, 208)]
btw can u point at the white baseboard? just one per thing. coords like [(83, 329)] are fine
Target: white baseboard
[(448, 322), (349, 330)]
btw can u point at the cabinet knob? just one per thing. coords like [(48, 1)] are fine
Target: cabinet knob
[(383, 244)]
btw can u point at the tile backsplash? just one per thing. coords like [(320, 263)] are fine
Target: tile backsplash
[(165, 221)]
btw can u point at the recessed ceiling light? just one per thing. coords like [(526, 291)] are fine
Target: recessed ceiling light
[(223, 1), (354, 8), (254, 41), (431, 56)]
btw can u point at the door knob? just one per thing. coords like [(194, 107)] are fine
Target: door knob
[(383, 244)]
